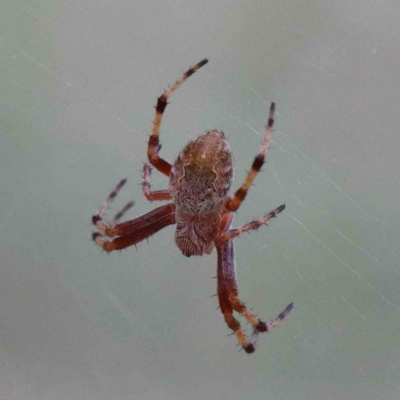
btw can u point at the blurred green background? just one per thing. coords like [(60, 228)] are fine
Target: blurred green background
[(78, 82)]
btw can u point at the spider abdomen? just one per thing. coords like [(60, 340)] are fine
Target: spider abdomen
[(195, 234), (199, 183), (202, 174)]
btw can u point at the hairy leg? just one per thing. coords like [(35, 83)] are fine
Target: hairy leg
[(152, 195), (154, 140), (228, 291), (129, 232), (233, 203), (234, 232), (134, 231)]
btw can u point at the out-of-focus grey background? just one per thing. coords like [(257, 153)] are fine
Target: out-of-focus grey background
[(78, 82)]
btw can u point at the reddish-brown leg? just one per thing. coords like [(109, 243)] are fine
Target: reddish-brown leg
[(233, 203), (228, 292), (133, 231), (154, 140), (234, 232), (152, 195)]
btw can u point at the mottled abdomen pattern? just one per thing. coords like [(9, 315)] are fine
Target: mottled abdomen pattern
[(199, 183), (202, 174)]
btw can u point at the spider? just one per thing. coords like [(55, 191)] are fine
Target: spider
[(201, 208)]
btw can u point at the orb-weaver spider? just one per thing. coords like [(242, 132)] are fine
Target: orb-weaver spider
[(200, 206)]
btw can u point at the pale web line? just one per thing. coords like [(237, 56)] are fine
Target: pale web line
[(354, 308), (275, 175), (242, 122), (275, 145), (311, 289), (361, 249), (255, 131), (314, 168), (117, 304), (344, 263), (297, 271), (70, 87), (304, 159), (340, 190), (396, 254)]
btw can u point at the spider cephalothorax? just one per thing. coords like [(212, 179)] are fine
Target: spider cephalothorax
[(201, 208)]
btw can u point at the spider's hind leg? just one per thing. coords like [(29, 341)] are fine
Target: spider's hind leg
[(270, 325), (228, 291)]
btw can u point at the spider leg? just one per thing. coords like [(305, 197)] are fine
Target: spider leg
[(228, 291), (152, 195), (98, 217), (121, 213), (154, 140), (233, 203), (134, 231), (271, 324), (110, 199), (232, 233)]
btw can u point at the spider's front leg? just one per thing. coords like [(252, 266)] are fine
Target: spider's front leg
[(152, 195), (130, 232), (154, 141), (228, 292), (233, 203)]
